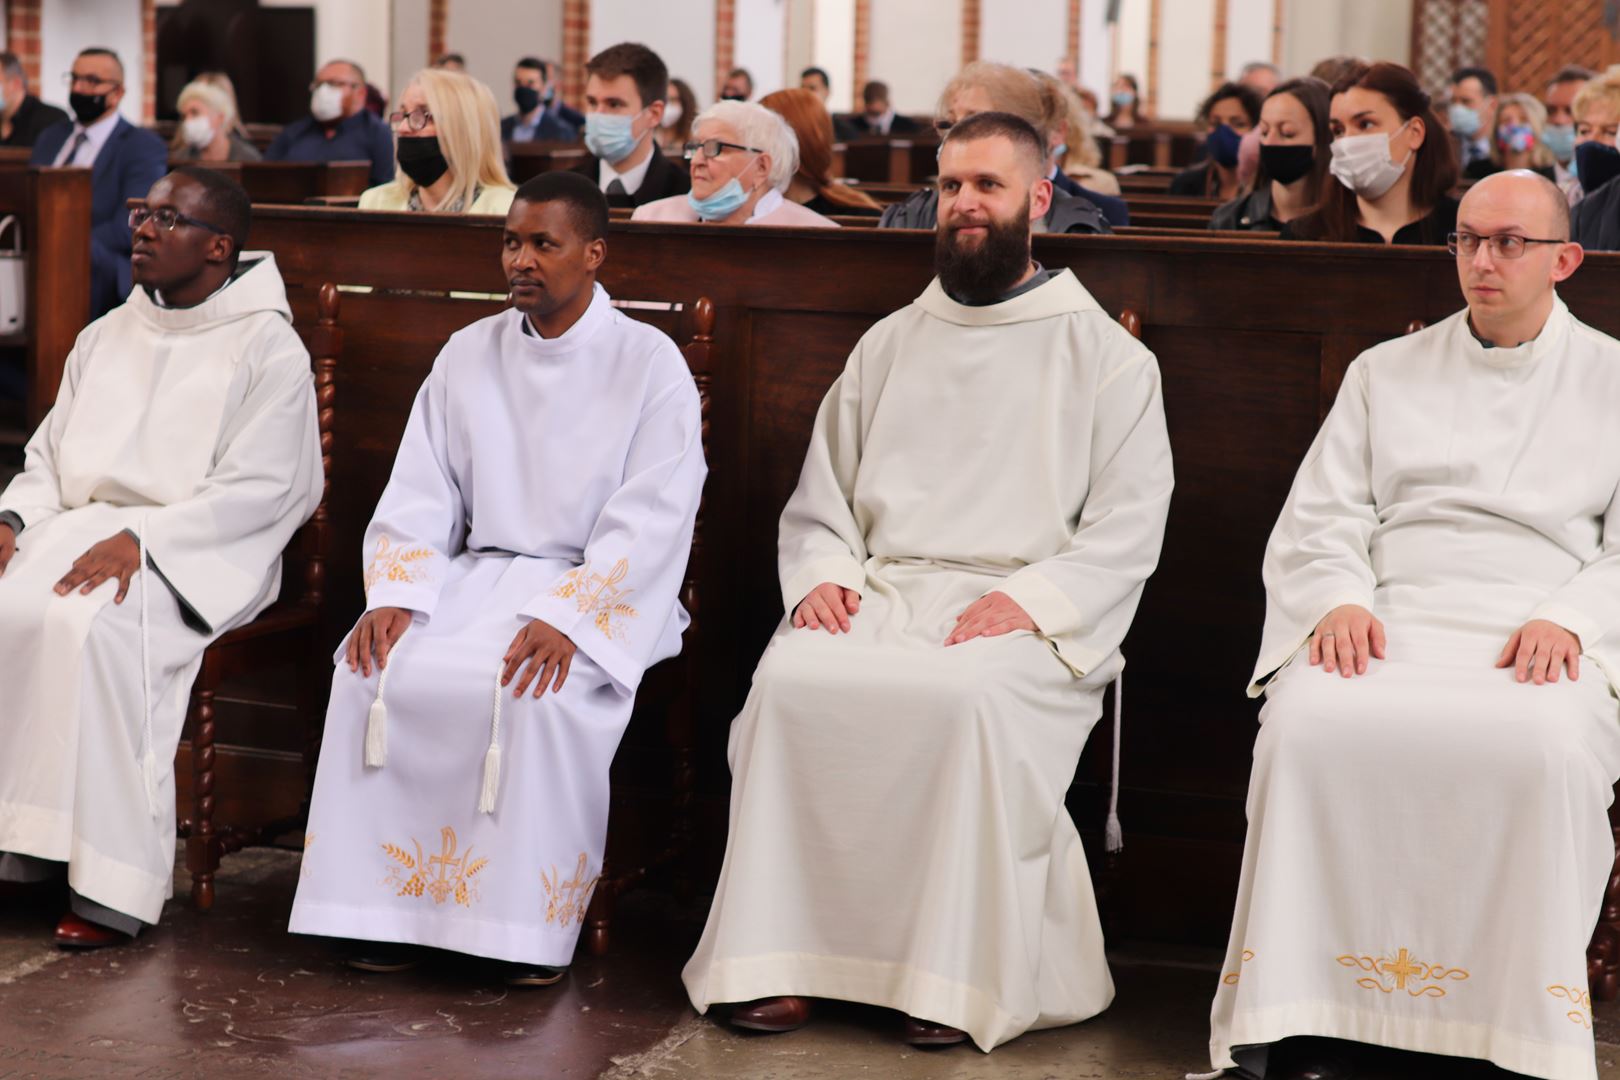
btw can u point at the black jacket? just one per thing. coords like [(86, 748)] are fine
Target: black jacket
[(33, 116), (902, 125), (1597, 219), (1069, 213), (664, 178)]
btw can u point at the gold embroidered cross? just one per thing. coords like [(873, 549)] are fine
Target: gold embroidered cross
[(440, 876), (1402, 968), (566, 901)]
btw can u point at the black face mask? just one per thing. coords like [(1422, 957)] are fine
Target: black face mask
[(1596, 164), (421, 158), (733, 97), (984, 274), (527, 98), (87, 108), (1286, 164)]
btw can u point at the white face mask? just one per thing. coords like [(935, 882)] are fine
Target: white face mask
[(326, 103), (672, 114), (197, 131), (1364, 164)]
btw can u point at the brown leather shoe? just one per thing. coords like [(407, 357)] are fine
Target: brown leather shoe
[(924, 1033), (773, 1014), (76, 933)]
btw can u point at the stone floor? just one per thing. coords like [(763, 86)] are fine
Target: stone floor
[(230, 994)]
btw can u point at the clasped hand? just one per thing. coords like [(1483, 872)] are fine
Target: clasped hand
[(830, 606), (1350, 635)]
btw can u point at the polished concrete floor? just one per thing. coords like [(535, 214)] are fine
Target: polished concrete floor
[(230, 994)]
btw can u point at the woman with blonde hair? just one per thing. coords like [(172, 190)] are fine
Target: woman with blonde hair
[(208, 128), (1520, 122), (448, 148), (813, 185), (1068, 132)]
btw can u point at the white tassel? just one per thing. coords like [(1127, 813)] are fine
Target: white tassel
[(377, 726), (492, 757), (1113, 834), (1216, 1075), (148, 753)]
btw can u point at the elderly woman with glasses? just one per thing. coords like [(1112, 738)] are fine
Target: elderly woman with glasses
[(448, 146), (743, 158)]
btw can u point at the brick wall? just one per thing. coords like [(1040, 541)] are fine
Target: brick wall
[(576, 39), (438, 30), (22, 36), (1071, 37), (149, 63), (863, 53), (970, 31), (725, 42)]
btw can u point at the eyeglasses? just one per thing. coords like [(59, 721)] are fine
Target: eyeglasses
[(712, 148), (87, 82), (417, 119), (1501, 246), (167, 219), (942, 126)]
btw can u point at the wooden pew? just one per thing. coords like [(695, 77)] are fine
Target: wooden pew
[(1247, 380), (293, 181), (526, 160), (1163, 145)]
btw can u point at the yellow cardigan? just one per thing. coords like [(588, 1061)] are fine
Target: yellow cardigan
[(393, 196)]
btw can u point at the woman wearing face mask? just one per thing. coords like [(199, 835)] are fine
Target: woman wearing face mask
[(744, 157), (1392, 165), (1295, 144), (1521, 121), (1597, 162), (1125, 100), (448, 148), (675, 129), (208, 127), (1229, 113)]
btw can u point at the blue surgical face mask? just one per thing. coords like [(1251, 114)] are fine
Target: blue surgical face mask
[(722, 204), (1464, 121), (610, 137), (1123, 98), (1560, 139)]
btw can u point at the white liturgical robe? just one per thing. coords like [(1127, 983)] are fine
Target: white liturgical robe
[(195, 429), (898, 835), (554, 479), (1428, 843)]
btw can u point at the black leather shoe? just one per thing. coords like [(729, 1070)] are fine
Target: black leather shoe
[(383, 957), (927, 1033), (533, 975), (1313, 1059)]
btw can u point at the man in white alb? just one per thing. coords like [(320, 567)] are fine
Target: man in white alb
[(983, 498), (1429, 842)]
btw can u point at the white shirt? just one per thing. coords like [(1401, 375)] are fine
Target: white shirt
[(98, 132), (606, 174), (881, 124)]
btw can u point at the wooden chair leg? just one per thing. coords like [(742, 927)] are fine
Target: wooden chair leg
[(202, 848), (1603, 955), (599, 915)]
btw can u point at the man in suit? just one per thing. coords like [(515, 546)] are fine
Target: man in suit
[(339, 126), (23, 117), (879, 118), (533, 121), (555, 105), (818, 82), (625, 88), (125, 161)]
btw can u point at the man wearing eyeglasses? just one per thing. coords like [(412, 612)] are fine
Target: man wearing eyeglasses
[(159, 492), (1429, 842), (339, 127), (124, 161)]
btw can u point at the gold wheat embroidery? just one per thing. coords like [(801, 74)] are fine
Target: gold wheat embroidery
[(599, 595), (1231, 977), (391, 563), (1404, 972), (1581, 1014), (566, 901), (439, 876), (303, 864)]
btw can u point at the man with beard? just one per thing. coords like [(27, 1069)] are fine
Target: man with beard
[(983, 498), (524, 565)]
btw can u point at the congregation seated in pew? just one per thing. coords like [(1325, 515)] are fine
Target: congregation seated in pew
[(743, 158), (813, 186), (150, 518), (1296, 146), (339, 126), (23, 117), (1228, 114), (534, 121), (877, 115), (1597, 159), (1393, 165), (1075, 153), (625, 90), (448, 147), (530, 545), (675, 126), (208, 129), (1428, 808), (954, 616)]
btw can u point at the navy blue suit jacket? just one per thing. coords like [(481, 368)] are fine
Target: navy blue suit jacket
[(130, 162), (1114, 209)]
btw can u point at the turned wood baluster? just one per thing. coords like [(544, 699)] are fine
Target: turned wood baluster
[(202, 855)]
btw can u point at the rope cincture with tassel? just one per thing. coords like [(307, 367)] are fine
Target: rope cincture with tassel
[(1113, 834), (492, 757), (377, 724), (148, 754)]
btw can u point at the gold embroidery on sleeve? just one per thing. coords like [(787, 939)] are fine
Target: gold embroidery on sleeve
[(566, 901), (440, 876), (1387, 976), (1231, 978), (303, 863), (392, 563), (599, 595), (1581, 1014)]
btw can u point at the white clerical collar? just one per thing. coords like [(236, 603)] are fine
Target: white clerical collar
[(630, 180), (768, 203), (597, 314), (1548, 338)]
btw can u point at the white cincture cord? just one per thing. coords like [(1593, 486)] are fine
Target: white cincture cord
[(377, 721), (1113, 835), (492, 756), (148, 755)]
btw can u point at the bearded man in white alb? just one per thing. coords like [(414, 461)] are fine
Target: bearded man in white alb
[(1429, 841), (184, 441), (983, 498)]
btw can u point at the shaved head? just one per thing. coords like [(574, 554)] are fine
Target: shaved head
[(1530, 199)]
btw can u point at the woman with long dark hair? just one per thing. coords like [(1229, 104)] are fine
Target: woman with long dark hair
[(1228, 114), (1295, 148), (1393, 165)]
